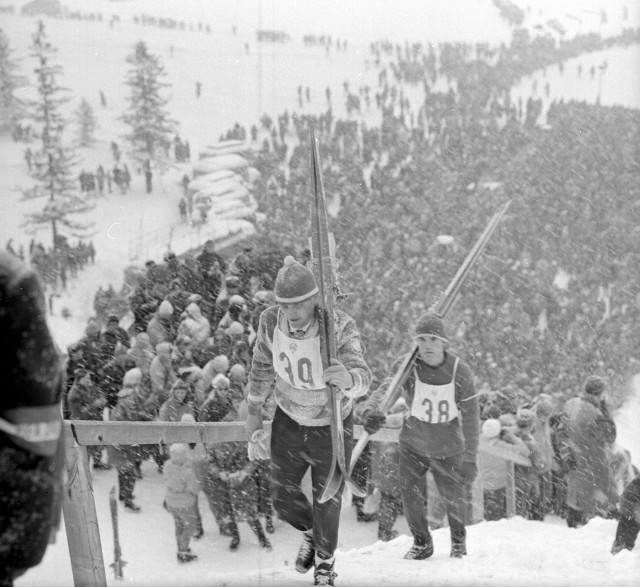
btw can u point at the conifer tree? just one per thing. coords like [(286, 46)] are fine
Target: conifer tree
[(87, 123), (152, 129), (53, 162), (11, 107)]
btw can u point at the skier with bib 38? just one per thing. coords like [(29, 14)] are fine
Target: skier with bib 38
[(287, 358), (440, 433)]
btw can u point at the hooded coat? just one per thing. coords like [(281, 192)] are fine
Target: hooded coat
[(196, 326), (585, 429)]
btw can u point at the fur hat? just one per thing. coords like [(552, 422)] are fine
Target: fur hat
[(525, 417), (595, 385), (131, 378), (220, 381), (220, 363), (491, 428), (237, 370), (544, 405), (165, 309), (431, 324), (235, 329), (294, 282)]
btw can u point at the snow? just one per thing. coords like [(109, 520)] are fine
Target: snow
[(237, 86)]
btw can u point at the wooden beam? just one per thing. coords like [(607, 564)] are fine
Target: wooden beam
[(81, 521), (98, 433)]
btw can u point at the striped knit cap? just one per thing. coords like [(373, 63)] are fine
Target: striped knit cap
[(295, 282)]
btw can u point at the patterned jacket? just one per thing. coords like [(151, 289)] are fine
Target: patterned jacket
[(308, 407)]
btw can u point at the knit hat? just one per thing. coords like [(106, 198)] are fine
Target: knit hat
[(431, 324), (131, 378), (235, 329), (165, 309), (594, 385), (544, 405), (220, 363), (524, 418), (187, 418), (220, 381), (491, 428), (294, 282)]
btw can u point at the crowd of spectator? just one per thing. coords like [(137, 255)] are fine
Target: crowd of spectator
[(555, 296), (56, 265)]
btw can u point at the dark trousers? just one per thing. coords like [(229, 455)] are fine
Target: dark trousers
[(295, 449), (390, 507), (126, 482), (495, 504), (413, 485)]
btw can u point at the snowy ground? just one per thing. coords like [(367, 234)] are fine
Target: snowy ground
[(505, 553), (235, 88)]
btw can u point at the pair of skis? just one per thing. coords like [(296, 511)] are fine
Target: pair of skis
[(324, 269), (323, 263)]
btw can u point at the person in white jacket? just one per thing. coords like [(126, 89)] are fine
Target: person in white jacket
[(493, 470), (182, 487)]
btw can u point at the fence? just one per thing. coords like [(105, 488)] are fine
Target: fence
[(79, 510)]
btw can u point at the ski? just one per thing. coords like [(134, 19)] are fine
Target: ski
[(118, 563), (441, 307), (323, 266)]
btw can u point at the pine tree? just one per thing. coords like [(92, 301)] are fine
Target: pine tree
[(11, 107), (87, 123), (53, 169), (152, 129)]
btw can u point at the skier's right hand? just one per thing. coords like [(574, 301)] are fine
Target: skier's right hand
[(252, 423), (374, 421)]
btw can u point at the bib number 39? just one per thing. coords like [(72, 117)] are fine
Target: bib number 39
[(303, 373)]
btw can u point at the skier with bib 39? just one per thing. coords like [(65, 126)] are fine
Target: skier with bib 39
[(287, 358), (440, 433)]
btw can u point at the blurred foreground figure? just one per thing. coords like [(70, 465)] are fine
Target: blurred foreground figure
[(629, 522), (31, 457)]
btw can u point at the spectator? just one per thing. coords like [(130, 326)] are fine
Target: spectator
[(160, 328), (182, 489)]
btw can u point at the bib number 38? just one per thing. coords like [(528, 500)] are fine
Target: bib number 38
[(438, 415)]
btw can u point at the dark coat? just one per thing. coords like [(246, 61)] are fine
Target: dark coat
[(585, 429)]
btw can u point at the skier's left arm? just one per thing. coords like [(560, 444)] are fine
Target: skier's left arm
[(469, 408), (351, 355)]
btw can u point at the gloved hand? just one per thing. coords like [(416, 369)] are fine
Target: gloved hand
[(259, 447), (338, 375), (374, 421), (468, 471)]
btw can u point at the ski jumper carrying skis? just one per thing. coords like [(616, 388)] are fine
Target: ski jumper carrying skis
[(314, 391), (442, 428)]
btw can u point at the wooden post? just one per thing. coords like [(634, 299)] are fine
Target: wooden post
[(81, 521), (511, 489), (477, 494)]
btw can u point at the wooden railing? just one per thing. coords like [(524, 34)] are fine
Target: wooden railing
[(81, 521)]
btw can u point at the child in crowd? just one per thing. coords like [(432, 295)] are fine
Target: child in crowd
[(182, 487)]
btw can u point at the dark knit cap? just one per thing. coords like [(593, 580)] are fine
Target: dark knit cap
[(594, 385), (431, 324), (295, 282)]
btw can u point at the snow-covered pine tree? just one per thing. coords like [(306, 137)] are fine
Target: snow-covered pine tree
[(152, 130), (53, 162), (86, 122), (12, 108)]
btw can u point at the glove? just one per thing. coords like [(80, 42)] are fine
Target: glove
[(259, 448), (236, 479), (374, 421), (468, 472)]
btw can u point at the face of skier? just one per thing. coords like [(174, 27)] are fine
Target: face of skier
[(431, 349), (299, 314)]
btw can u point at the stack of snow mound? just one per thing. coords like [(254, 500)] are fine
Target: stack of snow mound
[(230, 161), (219, 188)]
